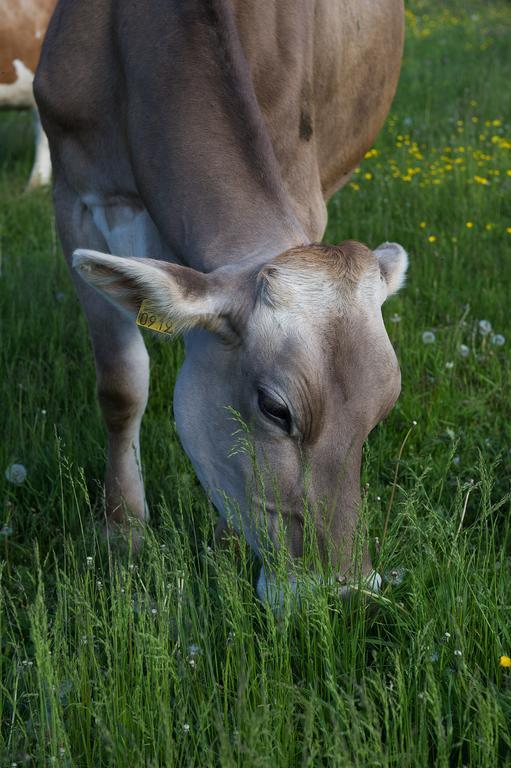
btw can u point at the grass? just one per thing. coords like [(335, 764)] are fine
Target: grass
[(170, 659)]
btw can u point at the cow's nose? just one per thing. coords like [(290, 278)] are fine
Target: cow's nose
[(273, 593), (371, 585)]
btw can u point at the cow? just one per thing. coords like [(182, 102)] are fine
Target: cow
[(194, 145), (22, 27)]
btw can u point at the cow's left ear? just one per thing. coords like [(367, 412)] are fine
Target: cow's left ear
[(393, 261), (184, 297)]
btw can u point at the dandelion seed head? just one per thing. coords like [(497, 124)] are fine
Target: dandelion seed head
[(395, 318), (464, 350), (428, 337), (484, 327), (498, 340), (186, 727), (457, 652), (90, 561), (396, 576), (449, 364), (16, 474)]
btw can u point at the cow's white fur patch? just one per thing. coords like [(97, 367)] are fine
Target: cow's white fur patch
[(18, 94), (127, 228)]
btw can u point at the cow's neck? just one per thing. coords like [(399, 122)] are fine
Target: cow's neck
[(221, 197)]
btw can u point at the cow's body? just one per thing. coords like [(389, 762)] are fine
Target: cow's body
[(206, 134), (22, 27)]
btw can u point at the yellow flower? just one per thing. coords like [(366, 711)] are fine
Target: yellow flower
[(489, 227), (508, 172), (505, 661), (432, 238), (469, 225), (422, 225), (481, 180), (368, 176), (508, 230)]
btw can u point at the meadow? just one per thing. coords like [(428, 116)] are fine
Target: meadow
[(169, 658)]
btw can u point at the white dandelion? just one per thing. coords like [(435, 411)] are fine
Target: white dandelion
[(16, 474)]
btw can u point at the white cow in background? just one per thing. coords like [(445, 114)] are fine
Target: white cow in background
[(22, 28)]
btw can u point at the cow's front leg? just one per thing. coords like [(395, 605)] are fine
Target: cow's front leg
[(41, 169), (122, 372)]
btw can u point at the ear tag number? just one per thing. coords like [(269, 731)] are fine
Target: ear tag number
[(146, 318)]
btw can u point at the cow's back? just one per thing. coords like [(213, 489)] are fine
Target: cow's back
[(325, 73)]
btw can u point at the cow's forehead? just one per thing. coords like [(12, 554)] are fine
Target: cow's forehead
[(318, 280)]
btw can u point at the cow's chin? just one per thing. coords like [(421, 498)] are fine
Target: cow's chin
[(275, 594)]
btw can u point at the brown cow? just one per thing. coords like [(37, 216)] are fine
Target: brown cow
[(197, 141), (22, 27)]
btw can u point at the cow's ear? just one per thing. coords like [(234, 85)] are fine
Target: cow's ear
[(393, 261), (184, 297)]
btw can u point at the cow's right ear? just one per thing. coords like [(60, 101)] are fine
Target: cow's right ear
[(185, 297), (393, 260)]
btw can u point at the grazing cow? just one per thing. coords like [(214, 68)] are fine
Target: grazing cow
[(194, 143), (22, 27)]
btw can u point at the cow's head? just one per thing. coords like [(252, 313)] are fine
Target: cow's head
[(299, 350)]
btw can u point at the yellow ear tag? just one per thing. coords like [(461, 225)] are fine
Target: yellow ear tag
[(146, 318)]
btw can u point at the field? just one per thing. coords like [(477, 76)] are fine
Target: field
[(169, 659)]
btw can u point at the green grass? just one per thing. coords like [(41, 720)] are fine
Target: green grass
[(171, 659)]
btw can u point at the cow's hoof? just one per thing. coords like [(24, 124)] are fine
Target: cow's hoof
[(127, 535)]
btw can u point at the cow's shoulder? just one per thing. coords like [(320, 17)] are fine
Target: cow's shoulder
[(77, 74)]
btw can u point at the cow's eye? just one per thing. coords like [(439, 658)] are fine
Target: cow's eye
[(274, 409)]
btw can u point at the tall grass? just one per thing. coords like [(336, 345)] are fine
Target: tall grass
[(170, 658)]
